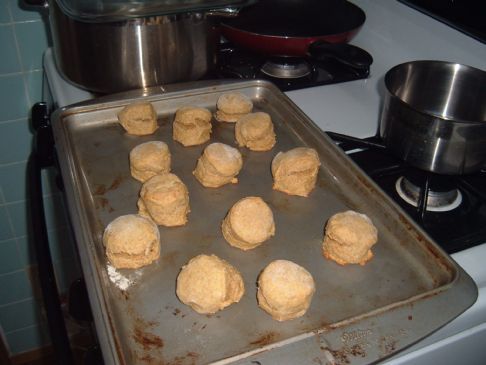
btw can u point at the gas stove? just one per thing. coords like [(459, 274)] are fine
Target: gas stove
[(393, 33)]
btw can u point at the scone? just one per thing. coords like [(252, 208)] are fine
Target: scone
[(248, 224), (138, 119), (232, 106), (192, 126), (295, 171), (149, 159), (165, 200), (348, 238), (131, 241), (218, 165), (285, 290), (255, 131), (208, 284)]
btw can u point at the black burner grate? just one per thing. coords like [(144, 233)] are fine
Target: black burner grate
[(454, 230)]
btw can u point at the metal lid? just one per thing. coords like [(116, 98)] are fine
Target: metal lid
[(117, 10)]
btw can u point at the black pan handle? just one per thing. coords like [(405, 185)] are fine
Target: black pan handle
[(343, 52)]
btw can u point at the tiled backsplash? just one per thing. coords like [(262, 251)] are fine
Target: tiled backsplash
[(23, 39)]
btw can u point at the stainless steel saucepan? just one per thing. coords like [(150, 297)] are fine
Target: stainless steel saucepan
[(434, 116)]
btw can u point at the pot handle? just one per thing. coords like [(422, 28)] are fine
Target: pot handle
[(342, 52)]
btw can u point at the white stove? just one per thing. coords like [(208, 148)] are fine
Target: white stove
[(393, 33)]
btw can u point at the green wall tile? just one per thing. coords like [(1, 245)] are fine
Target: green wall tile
[(15, 141), (27, 338), (4, 13), (9, 257), (26, 250), (21, 314), (9, 62), (14, 287), (53, 210), (5, 229), (32, 40), (21, 12), (13, 181), (13, 99)]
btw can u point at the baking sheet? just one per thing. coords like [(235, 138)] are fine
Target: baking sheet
[(406, 280)]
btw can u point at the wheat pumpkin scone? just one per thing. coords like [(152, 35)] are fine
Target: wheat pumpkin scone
[(165, 200), (149, 159), (348, 238), (285, 290), (218, 165), (138, 119), (192, 126), (131, 241), (295, 171), (208, 284), (255, 131), (232, 106), (248, 223)]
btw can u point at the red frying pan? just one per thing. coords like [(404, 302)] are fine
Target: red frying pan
[(320, 28)]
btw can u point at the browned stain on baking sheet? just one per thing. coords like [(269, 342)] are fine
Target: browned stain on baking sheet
[(388, 345), (190, 358), (116, 183), (147, 340), (101, 189), (103, 203), (265, 339), (342, 356)]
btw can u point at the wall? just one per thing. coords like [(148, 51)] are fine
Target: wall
[(23, 39)]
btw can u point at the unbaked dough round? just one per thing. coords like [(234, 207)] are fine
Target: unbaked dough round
[(208, 284), (249, 223), (138, 119), (192, 126), (255, 131), (131, 241), (232, 106), (218, 165), (285, 290), (164, 199), (348, 238), (149, 159), (295, 171)]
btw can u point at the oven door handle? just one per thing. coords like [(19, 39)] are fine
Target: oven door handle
[(42, 156)]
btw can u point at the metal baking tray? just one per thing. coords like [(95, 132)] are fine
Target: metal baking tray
[(359, 314)]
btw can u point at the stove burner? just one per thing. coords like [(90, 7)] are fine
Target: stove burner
[(287, 73), (286, 68), (437, 201)]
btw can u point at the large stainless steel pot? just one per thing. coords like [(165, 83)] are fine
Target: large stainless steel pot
[(134, 52), (434, 116)]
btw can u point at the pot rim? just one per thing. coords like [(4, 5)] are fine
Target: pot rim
[(390, 73)]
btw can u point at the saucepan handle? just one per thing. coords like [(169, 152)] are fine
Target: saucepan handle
[(343, 52)]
